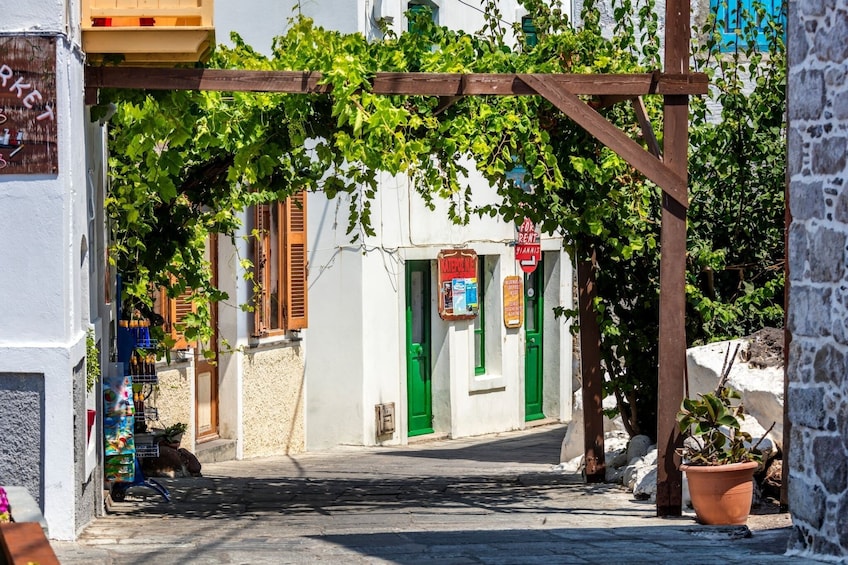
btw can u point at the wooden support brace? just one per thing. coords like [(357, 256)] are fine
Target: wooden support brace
[(669, 181), (647, 130)]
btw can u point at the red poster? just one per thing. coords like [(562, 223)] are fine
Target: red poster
[(458, 284)]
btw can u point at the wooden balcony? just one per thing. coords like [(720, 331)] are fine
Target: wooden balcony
[(148, 32)]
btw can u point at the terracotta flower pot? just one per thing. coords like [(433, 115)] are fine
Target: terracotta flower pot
[(721, 494)]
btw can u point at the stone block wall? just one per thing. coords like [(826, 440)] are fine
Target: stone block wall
[(818, 295)]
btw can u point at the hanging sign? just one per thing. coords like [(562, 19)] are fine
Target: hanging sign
[(28, 106), (513, 301), (528, 250), (458, 284)]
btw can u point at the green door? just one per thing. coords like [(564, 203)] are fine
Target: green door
[(418, 378), (533, 308)]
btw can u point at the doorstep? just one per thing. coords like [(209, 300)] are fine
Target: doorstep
[(216, 451)]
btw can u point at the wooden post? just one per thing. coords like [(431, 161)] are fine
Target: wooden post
[(672, 347), (590, 363)]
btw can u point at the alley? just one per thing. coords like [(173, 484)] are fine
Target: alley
[(493, 500)]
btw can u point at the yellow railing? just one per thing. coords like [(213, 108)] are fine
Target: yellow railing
[(148, 31)]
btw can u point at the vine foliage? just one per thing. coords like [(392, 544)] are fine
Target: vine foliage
[(184, 165)]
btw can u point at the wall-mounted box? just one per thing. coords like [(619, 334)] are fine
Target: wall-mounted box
[(148, 32)]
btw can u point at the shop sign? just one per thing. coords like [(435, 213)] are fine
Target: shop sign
[(458, 284), (528, 250), (513, 301), (28, 105)]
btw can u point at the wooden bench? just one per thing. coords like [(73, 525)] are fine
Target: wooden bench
[(25, 542)]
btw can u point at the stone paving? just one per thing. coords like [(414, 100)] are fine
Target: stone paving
[(492, 500)]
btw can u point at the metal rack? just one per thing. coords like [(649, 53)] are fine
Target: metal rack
[(136, 353)]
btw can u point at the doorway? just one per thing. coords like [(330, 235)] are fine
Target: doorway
[(533, 326), (418, 354), (206, 364)]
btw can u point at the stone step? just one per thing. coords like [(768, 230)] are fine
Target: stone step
[(216, 451)]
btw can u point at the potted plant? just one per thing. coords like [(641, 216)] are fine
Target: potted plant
[(718, 457), (173, 435)]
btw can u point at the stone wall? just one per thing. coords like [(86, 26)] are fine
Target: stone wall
[(818, 298), (22, 433), (274, 390)]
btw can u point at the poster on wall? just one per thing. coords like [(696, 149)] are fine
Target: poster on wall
[(458, 284), (513, 301), (28, 106)]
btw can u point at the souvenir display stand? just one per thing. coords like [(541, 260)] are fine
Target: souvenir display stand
[(125, 416)]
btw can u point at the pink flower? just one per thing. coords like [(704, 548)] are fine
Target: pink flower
[(5, 515)]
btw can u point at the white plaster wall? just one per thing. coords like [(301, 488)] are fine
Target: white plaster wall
[(258, 21), (234, 329), (44, 275), (336, 338), (34, 15)]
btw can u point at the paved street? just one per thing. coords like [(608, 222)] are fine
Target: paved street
[(491, 500)]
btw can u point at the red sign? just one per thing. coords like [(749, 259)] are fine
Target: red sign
[(528, 250), (458, 284)]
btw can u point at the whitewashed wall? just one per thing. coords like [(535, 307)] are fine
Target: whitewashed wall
[(44, 295)]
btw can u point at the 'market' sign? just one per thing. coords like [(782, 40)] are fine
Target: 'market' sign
[(28, 105)]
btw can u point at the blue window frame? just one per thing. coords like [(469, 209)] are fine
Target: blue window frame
[(732, 16)]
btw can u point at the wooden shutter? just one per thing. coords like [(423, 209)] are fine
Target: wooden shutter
[(174, 311), (261, 268), (296, 262)]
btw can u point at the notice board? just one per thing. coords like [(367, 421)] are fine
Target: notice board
[(28, 105), (458, 284), (513, 301)]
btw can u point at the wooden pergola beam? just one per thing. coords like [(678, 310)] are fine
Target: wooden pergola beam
[(670, 181), (412, 84)]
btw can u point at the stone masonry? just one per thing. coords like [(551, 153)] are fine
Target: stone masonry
[(818, 297)]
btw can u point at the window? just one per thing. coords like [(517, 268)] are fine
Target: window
[(529, 30), (480, 322), (732, 16), (417, 8), (279, 260), (174, 312)]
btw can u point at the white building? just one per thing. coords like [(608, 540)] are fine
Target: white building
[(373, 307), (374, 335)]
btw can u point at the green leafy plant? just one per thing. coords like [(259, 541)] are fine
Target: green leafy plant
[(92, 361), (185, 164), (173, 432), (711, 427)]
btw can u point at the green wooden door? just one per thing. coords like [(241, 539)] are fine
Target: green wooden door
[(418, 377), (533, 309)]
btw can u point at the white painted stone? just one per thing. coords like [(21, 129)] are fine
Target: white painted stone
[(573, 442), (638, 447), (761, 388)]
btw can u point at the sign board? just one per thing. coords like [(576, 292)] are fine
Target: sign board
[(528, 250), (513, 301), (458, 284), (28, 105)]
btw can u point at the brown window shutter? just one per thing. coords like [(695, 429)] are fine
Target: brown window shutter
[(296, 262), (174, 312), (261, 269)]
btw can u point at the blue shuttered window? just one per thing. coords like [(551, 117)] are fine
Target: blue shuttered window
[(734, 16)]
